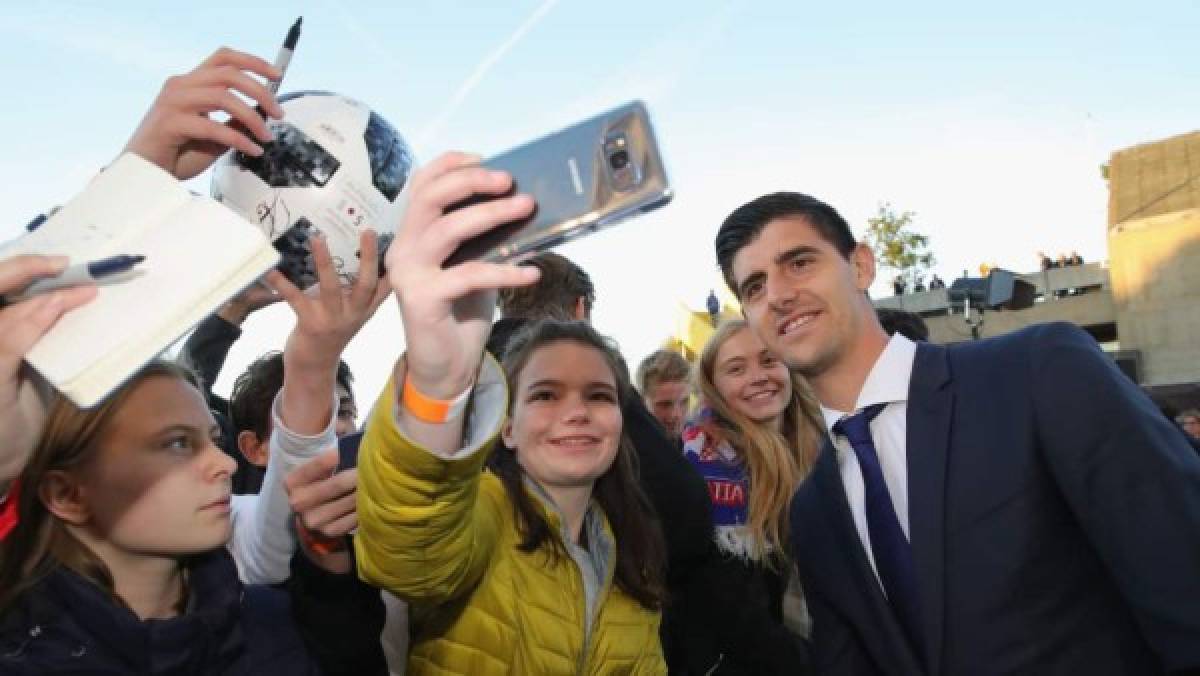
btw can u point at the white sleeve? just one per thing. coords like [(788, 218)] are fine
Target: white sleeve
[(263, 541), (485, 412)]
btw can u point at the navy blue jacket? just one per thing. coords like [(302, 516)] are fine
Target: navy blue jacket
[(1055, 523), (67, 625)]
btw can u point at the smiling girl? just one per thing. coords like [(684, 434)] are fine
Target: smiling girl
[(546, 563), (753, 440)]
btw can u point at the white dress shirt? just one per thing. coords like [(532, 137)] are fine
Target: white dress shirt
[(887, 383)]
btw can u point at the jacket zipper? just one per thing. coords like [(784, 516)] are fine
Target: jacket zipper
[(716, 665), (588, 630), (587, 627)]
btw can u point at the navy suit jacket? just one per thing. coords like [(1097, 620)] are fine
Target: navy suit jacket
[(1054, 517)]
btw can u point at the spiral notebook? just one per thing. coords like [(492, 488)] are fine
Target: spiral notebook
[(198, 255)]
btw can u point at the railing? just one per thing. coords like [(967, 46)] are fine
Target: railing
[(1049, 284)]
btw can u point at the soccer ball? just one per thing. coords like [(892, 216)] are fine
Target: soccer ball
[(334, 168)]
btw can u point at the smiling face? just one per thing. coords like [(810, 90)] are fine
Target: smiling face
[(751, 380), (803, 298), (157, 484), (566, 421)]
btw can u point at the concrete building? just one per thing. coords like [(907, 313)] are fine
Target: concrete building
[(1143, 305)]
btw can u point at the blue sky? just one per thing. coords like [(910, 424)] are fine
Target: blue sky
[(989, 121)]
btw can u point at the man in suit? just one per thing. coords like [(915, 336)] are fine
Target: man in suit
[(1013, 505)]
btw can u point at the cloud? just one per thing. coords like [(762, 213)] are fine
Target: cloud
[(656, 73), (364, 37), (434, 127)]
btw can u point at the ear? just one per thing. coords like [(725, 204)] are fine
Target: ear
[(581, 308), (64, 497), (252, 447), (863, 261), (506, 434)]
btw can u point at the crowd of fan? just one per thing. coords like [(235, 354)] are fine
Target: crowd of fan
[(814, 495)]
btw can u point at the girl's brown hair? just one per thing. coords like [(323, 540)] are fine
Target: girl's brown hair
[(775, 463), (641, 556), (40, 542)]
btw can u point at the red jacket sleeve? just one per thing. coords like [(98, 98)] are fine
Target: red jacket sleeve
[(8, 509)]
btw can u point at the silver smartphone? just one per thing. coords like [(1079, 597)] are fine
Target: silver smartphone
[(586, 177)]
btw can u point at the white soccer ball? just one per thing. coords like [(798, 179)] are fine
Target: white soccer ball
[(334, 168)]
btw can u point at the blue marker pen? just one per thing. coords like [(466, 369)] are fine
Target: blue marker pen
[(76, 275)]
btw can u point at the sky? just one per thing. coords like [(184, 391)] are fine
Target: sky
[(990, 121)]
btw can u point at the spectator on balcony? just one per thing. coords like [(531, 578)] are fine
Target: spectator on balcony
[(936, 282), (898, 285)]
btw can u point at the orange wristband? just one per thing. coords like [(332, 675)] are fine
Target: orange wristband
[(318, 543), (430, 410)]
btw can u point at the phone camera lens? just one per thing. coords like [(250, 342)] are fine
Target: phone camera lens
[(619, 160)]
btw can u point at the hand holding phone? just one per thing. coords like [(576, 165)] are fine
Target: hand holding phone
[(587, 177), (447, 309)]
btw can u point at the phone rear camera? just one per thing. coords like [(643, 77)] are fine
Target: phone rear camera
[(619, 160)]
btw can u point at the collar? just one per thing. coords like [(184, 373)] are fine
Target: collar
[(886, 383), (208, 634), (594, 520), (600, 554)]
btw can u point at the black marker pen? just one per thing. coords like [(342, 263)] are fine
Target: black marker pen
[(285, 55)]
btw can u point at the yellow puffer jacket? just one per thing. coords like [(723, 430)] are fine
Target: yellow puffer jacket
[(441, 534)]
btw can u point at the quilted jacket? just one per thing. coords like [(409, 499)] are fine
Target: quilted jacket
[(441, 534)]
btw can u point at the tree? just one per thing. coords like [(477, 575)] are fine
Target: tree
[(897, 246)]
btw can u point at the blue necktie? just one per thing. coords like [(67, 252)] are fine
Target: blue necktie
[(892, 552)]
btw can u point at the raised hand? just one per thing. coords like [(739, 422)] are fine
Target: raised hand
[(22, 409), (178, 133), (448, 311), (326, 320), (325, 504), (324, 500)]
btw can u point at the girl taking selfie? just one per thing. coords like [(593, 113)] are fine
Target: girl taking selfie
[(545, 563)]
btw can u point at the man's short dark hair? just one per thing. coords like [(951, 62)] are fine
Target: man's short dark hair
[(908, 324), (555, 295), (747, 221), (255, 390)]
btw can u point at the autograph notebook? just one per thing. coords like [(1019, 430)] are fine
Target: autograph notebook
[(198, 255)]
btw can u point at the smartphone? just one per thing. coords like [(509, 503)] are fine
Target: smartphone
[(587, 177), (348, 451)]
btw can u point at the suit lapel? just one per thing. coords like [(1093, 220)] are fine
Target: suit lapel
[(930, 410), (881, 632)]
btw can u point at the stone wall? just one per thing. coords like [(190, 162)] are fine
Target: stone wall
[(1154, 268), (1154, 178)]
